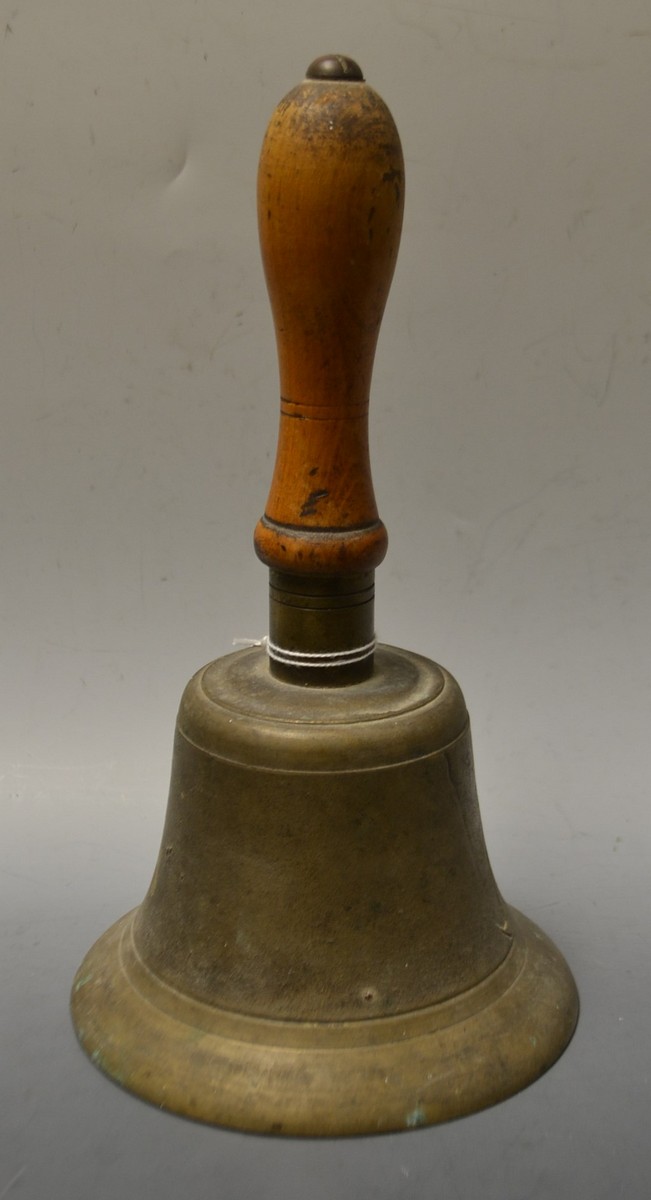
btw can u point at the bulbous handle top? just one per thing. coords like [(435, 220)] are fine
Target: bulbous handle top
[(330, 200), (330, 192)]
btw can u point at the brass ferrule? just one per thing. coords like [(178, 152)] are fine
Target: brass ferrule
[(321, 630)]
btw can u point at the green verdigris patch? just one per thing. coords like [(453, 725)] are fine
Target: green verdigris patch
[(417, 1117)]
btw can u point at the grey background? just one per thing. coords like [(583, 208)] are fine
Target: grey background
[(511, 430)]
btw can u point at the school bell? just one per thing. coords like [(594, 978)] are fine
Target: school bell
[(323, 948)]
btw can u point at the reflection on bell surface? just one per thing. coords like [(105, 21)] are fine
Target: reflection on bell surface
[(323, 948)]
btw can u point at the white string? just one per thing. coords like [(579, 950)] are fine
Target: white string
[(301, 658), (333, 658)]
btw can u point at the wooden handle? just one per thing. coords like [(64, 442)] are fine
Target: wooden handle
[(330, 200)]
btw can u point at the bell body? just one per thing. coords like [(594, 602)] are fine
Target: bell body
[(323, 948)]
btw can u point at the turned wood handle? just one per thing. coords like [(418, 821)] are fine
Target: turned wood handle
[(330, 200)]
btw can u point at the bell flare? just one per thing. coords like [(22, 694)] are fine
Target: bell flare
[(323, 949)]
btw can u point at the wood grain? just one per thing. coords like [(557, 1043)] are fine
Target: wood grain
[(330, 201)]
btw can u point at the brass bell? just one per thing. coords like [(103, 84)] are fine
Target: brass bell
[(323, 948)]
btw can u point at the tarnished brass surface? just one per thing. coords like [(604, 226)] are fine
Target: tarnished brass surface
[(326, 615), (325, 1079), (323, 948)]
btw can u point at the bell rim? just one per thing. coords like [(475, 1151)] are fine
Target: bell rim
[(376, 1075)]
